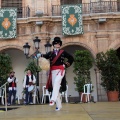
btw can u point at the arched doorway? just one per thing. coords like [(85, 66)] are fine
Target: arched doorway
[(118, 54), (70, 75), (19, 63)]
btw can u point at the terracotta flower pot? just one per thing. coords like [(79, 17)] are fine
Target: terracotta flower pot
[(113, 96), (84, 97)]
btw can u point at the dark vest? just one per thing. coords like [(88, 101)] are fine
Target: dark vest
[(10, 84), (27, 79)]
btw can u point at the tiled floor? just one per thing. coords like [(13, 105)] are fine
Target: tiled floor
[(70, 111)]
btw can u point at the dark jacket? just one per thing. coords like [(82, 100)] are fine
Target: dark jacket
[(63, 58)]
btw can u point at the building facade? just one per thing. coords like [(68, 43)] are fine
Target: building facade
[(101, 25)]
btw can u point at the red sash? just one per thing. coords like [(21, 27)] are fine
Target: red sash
[(13, 84), (49, 81), (56, 57)]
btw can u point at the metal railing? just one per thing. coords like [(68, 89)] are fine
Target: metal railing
[(22, 12), (4, 86), (93, 7)]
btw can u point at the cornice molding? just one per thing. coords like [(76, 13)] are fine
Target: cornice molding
[(86, 17)]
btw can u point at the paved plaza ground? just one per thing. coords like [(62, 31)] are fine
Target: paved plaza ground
[(70, 111)]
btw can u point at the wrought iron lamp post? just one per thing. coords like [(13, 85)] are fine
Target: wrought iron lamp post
[(36, 41), (47, 45)]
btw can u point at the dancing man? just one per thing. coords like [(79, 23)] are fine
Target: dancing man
[(59, 60)]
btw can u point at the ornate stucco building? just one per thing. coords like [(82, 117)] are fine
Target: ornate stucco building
[(101, 25)]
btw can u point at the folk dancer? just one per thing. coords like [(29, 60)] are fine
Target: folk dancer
[(59, 60)]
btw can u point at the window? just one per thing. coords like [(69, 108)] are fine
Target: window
[(118, 5), (63, 2), (13, 3)]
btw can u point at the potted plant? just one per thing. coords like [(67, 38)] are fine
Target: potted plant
[(109, 65), (5, 67), (82, 65), (32, 65)]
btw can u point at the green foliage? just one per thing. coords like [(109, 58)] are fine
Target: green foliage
[(109, 65), (82, 65), (5, 67), (32, 65)]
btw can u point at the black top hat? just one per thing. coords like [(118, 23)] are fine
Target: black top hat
[(57, 40), (12, 72)]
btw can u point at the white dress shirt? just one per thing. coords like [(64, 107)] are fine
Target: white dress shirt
[(30, 80), (10, 80)]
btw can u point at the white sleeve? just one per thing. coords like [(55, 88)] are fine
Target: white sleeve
[(9, 80), (38, 55), (24, 82), (34, 79), (16, 80)]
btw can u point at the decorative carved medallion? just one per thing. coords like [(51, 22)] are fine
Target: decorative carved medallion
[(72, 20), (6, 23)]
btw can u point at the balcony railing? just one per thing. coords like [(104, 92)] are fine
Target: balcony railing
[(93, 7), (22, 12)]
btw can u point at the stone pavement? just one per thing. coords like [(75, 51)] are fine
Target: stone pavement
[(70, 111)]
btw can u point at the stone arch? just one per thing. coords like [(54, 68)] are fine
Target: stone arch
[(11, 46), (19, 62), (80, 44), (70, 74), (115, 44), (14, 47)]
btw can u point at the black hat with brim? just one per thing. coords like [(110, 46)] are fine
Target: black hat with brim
[(12, 72), (57, 40)]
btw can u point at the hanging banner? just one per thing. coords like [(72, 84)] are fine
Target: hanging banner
[(72, 19), (8, 18)]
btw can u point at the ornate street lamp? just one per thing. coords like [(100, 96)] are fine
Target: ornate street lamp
[(26, 49), (48, 45), (36, 41)]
